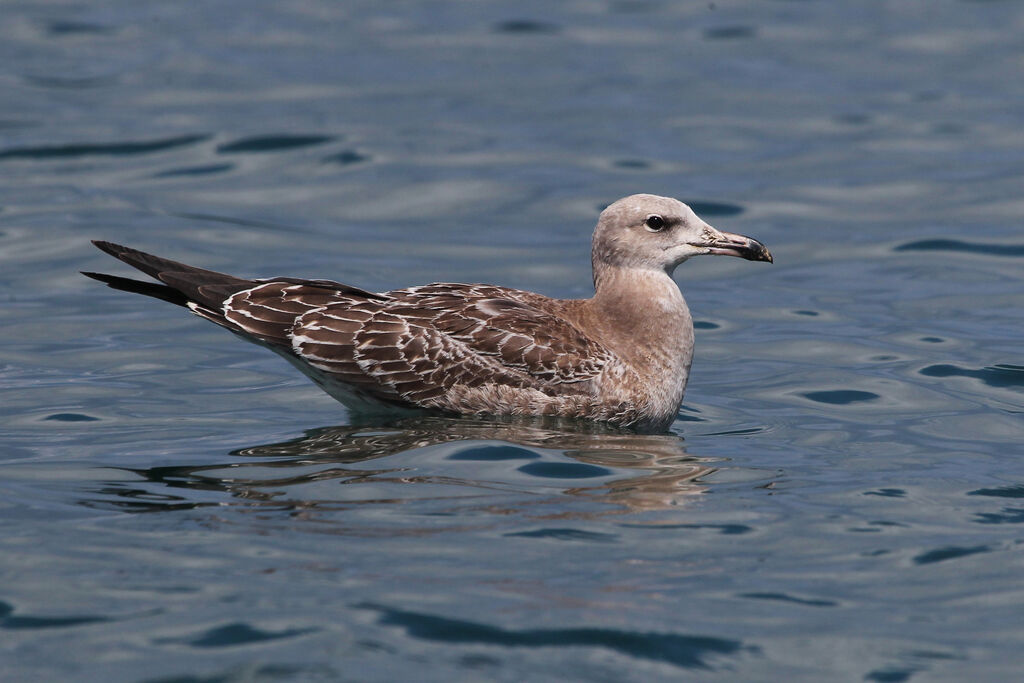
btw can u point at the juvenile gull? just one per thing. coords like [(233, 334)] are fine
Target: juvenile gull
[(622, 356)]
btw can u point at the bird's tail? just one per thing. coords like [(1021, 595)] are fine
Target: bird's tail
[(181, 284), (126, 284)]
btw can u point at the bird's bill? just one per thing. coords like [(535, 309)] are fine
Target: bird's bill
[(729, 244)]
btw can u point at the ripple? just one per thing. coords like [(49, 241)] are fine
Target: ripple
[(705, 325), (951, 552), (632, 164), (853, 119), (1006, 516), (887, 493), (724, 529), (564, 470), (59, 27), (272, 143), (71, 417), (8, 620), (782, 597), (1001, 375), (840, 397), (526, 26), (209, 169), (1016, 491), (891, 675), (70, 82), (566, 535), (253, 672), (682, 650), (730, 33), (235, 634), (349, 157), (685, 416), (1012, 250), (100, 149), (746, 431)]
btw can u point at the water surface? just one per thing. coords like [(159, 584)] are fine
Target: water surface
[(841, 497)]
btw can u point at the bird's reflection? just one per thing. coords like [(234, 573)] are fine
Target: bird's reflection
[(290, 474)]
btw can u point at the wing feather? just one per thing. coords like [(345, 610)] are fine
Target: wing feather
[(513, 327), (417, 345), (268, 311)]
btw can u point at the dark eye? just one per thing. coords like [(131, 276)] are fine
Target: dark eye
[(655, 223)]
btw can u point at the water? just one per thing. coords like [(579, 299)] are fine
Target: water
[(840, 499)]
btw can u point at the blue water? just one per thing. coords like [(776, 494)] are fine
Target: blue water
[(841, 498)]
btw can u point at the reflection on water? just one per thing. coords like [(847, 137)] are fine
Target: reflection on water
[(638, 471)]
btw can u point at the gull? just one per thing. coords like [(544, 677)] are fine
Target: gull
[(622, 356)]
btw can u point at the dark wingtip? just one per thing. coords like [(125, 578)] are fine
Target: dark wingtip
[(109, 247), (180, 282), (124, 284)]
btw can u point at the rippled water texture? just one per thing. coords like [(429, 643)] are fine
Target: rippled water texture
[(841, 498)]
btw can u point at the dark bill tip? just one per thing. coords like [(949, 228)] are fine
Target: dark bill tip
[(741, 246), (755, 251)]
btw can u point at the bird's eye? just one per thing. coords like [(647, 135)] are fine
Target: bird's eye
[(654, 223)]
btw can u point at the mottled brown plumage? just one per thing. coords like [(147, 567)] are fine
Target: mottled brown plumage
[(622, 356)]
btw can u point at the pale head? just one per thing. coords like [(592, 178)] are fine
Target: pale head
[(648, 232)]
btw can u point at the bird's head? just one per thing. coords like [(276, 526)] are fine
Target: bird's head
[(645, 231)]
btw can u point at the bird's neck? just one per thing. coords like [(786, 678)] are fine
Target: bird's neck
[(644, 316)]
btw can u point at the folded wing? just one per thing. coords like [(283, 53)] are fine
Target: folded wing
[(408, 347)]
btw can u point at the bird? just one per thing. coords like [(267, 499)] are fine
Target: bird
[(621, 357)]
